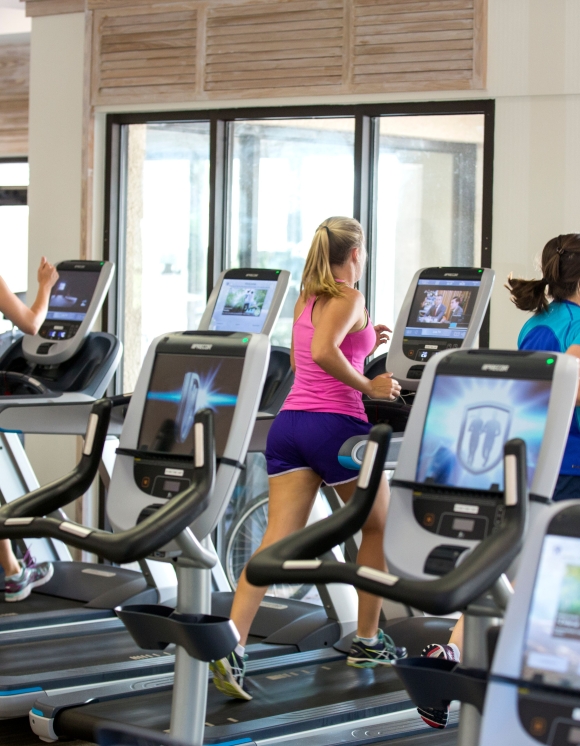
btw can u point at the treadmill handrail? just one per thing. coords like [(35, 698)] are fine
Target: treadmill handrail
[(474, 576), (145, 537), (66, 489)]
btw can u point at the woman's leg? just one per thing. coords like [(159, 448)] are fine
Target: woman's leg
[(290, 502), (9, 563), (370, 553)]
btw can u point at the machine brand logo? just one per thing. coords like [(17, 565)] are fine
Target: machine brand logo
[(484, 430), (495, 367), (250, 275), (451, 274), (79, 266), (201, 347)]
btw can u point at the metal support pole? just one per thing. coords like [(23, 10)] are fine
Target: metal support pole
[(191, 676)]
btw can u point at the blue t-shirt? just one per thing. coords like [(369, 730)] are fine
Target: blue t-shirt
[(554, 330)]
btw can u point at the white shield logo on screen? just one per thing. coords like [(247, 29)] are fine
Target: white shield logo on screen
[(484, 431)]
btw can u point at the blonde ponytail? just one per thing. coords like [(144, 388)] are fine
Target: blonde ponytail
[(332, 243)]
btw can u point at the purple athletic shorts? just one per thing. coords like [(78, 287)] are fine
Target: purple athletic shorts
[(311, 440)]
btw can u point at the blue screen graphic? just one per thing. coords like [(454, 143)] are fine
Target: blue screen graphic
[(180, 386), (468, 421)]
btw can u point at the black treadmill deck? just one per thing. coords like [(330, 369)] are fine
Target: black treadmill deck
[(285, 701)]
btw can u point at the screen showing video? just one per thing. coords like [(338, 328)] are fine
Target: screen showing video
[(71, 295), (442, 308), (552, 642), (468, 421), (179, 386), (243, 305)]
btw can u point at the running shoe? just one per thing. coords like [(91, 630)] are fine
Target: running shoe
[(228, 675), (18, 587), (431, 716), (382, 653)]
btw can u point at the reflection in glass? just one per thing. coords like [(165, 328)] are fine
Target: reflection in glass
[(428, 201), (166, 234), (287, 176)]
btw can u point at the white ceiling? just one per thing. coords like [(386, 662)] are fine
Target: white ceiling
[(12, 4)]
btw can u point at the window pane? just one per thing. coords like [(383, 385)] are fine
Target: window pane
[(13, 174), (166, 234), (429, 201), (14, 247), (287, 176)]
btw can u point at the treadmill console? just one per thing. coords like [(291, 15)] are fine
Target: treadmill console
[(246, 300), (443, 310), (75, 302), (182, 382), (182, 373), (449, 476)]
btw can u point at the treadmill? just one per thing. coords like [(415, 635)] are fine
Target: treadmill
[(32, 644), (430, 525)]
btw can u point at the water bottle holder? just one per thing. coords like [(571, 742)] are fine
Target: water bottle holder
[(433, 682), (204, 636)]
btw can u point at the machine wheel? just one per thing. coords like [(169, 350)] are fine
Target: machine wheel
[(244, 538)]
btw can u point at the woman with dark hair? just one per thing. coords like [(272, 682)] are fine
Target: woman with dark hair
[(555, 327)]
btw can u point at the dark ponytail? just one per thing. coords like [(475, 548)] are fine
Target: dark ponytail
[(560, 276)]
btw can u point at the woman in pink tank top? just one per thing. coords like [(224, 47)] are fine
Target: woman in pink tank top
[(331, 338)]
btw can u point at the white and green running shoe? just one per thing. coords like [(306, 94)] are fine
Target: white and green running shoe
[(228, 675), (381, 653)]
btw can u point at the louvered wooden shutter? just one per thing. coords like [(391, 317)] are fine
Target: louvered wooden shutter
[(146, 53), (14, 75), (182, 51)]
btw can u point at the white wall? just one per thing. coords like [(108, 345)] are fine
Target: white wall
[(55, 148)]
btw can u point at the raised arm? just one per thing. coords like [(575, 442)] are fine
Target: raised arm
[(29, 320)]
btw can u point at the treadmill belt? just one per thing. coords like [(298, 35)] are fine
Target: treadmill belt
[(311, 696), (36, 603), (37, 657)]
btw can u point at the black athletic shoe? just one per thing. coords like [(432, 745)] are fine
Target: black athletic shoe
[(382, 653), (228, 675), (431, 716)]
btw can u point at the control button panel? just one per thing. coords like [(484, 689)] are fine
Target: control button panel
[(423, 350), (550, 717), (162, 478), (461, 517), (58, 331)]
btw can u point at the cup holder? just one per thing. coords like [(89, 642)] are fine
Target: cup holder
[(204, 636), (434, 682)]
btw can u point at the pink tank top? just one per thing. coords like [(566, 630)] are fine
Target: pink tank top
[(314, 390)]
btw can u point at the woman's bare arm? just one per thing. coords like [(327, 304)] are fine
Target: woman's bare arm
[(338, 317), (29, 320)]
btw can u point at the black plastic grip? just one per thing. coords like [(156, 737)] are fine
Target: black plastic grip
[(147, 536), (65, 490), (452, 592)]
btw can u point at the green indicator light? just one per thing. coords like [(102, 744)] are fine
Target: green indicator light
[(102, 263), (550, 361), (480, 270), (246, 339), (277, 271)]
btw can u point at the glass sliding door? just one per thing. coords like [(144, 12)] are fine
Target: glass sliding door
[(286, 177), (164, 240), (428, 201)]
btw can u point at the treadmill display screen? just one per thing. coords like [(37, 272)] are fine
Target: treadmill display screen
[(242, 305), (179, 386), (468, 421), (71, 295), (442, 308), (552, 641)]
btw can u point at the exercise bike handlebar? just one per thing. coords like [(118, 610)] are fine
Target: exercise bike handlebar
[(294, 559), (149, 535), (66, 489)]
